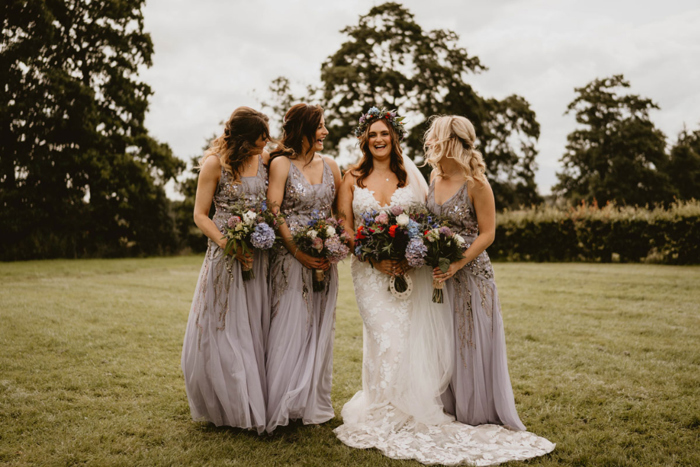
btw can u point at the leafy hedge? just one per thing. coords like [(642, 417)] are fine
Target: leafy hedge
[(590, 233)]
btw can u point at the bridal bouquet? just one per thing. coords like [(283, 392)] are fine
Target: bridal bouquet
[(251, 226), (323, 237), (439, 247), (387, 235)]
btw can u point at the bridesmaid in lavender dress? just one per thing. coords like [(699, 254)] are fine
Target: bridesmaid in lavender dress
[(300, 343), (223, 356), (480, 391)]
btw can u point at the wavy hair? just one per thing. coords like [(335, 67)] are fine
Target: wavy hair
[(366, 164), (454, 137), (239, 139), (300, 124)]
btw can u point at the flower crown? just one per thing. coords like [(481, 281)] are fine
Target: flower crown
[(374, 114)]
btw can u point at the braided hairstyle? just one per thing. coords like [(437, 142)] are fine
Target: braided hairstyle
[(454, 137)]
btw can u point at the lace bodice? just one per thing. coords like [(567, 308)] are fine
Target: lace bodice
[(229, 192), (301, 198), (363, 200), (459, 210)]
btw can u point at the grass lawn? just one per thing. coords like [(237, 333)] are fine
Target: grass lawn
[(604, 359)]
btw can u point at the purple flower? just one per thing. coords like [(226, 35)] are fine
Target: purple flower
[(263, 237), (415, 253), (337, 249), (396, 210), (444, 230)]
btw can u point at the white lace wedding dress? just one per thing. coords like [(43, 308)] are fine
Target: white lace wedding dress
[(407, 364)]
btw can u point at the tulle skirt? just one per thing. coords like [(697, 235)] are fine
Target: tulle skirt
[(223, 356), (300, 344)]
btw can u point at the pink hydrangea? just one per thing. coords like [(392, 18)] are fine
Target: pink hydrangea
[(317, 243), (382, 218), (233, 221)]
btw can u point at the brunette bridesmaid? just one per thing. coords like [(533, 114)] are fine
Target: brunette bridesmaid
[(223, 356), (300, 343), (480, 391)]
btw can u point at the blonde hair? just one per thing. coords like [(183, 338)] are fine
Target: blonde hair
[(238, 141), (454, 137)]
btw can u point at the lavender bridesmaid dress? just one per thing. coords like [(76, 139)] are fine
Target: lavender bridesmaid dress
[(300, 343), (480, 391), (223, 356)]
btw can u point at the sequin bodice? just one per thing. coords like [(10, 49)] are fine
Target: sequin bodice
[(229, 192), (459, 210), (301, 198)]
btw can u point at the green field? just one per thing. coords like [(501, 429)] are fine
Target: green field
[(604, 359)]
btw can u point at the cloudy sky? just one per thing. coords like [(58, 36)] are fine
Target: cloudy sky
[(212, 56)]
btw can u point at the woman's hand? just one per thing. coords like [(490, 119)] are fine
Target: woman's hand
[(246, 259), (389, 267), (310, 262), (451, 271)]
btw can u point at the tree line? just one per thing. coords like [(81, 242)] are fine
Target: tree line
[(80, 175)]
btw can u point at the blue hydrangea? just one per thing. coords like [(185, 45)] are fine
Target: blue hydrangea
[(413, 229), (263, 237), (358, 251)]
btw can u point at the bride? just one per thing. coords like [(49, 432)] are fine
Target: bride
[(407, 341)]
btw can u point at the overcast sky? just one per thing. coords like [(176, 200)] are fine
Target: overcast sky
[(212, 56)]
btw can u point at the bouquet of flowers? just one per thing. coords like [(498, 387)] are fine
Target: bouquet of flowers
[(251, 225), (438, 248), (387, 235), (322, 237)]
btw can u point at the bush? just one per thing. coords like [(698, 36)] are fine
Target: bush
[(590, 233)]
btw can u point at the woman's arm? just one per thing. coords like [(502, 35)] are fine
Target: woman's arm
[(279, 169), (206, 187), (336, 180), (485, 207), (345, 196)]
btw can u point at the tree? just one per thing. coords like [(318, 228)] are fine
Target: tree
[(390, 61), (79, 173), (684, 167), (619, 156)]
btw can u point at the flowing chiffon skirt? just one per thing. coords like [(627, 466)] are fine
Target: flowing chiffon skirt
[(480, 391), (223, 356), (300, 344)]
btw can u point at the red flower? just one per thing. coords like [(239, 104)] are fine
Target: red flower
[(426, 232), (359, 235), (392, 230)]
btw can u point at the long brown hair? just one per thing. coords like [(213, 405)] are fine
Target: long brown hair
[(363, 168), (300, 123), (239, 139)]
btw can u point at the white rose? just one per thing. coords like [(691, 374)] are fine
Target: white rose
[(459, 239), (402, 220), (312, 234), (249, 217), (330, 231)]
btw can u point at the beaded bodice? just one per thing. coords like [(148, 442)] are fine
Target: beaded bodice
[(301, 198), (459, 210), (229, 192)]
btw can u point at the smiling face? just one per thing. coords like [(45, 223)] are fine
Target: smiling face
[(321, 133), (379, 140)]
